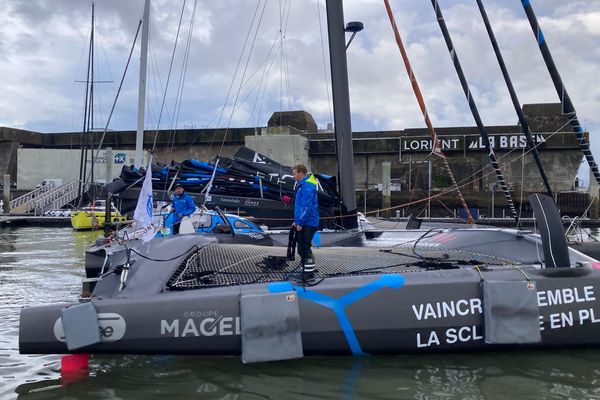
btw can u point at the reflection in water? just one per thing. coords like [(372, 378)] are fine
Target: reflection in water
[(8, 236), (513, 375), (47, 267)]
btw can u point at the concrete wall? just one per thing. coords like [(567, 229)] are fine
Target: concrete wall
[(8, 159), (285, 149), (35, 165)]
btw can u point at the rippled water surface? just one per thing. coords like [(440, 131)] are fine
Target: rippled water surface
[(43, 265)]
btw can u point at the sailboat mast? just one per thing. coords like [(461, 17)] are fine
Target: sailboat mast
[(91, 104), (341, 111), (436, 146), (473, 107), (139, 138), (85, 128), (515, 100), (568, 109)]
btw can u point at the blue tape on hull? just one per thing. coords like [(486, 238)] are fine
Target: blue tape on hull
[(338, 306)]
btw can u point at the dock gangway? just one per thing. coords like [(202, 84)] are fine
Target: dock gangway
[(45, 198)]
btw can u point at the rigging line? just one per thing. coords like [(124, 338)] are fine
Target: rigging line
[(473, 107), (286, 55), (168, 76), (77, 71), (514, 98), (239, 62), (264, 79), (281, 66), (119, 89), (463, 183), (522, 184), (158, 86), (257, 87), (263, 65), (83, 157), (568, 109), (437, 148), (237, 95), (442, 193), (110, 73), (263, 75), (91, 106), (267, 67), (450, 211), (324, 61), (182, 78)]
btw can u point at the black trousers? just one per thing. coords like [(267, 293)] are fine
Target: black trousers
[(176, 227), (304, 238)]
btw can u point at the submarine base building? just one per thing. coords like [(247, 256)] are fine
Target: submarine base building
[(395, 170)]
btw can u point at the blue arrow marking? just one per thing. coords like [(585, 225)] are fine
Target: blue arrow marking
[(338, 306)]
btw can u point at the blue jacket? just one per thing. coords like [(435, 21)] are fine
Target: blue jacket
[(306, 205), (183, 204)]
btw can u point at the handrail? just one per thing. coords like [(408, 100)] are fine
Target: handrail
[(39, 201), (30, 195)]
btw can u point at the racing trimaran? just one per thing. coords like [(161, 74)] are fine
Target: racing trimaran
[(439, 290)]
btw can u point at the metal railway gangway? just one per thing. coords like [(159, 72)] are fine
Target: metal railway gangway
[(45, 198)]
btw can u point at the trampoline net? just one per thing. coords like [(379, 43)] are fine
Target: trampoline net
[(226, 265)]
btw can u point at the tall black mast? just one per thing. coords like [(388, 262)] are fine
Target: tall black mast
[(515, 100), (473, 107), (341, 111), (91, 103), (565, 100), (86, 122)]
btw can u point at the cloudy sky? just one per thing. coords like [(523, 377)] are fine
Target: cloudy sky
[(43, 55)]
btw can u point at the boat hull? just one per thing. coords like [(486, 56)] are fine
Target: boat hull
[(425, 311), (92, 220)]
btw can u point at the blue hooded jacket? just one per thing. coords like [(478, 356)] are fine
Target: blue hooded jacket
[(183, 204), (306, 205)]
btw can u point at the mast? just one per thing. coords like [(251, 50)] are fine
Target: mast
[(473, 107), (436, 147), (91, 104), (515, 100), (341, 111), (86, 107), (568, 109), (139, 138)]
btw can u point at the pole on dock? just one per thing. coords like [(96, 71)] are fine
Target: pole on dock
[(109, 164), (386, 188), (6, 193), (108, 215)]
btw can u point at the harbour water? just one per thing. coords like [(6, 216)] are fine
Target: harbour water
[(45, 265)]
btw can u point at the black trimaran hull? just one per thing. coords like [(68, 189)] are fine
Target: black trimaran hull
[(444, 291), (412, 311), (426, 295)]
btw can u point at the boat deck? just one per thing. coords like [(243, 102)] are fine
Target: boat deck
[(225, 265)]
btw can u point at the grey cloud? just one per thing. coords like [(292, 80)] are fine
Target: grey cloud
[(46, 39)]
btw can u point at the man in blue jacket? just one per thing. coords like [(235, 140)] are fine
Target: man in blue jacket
[(183, 206), (306, 216)]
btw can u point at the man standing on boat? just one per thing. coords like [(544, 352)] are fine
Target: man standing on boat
[(306, 216), (183, 206)]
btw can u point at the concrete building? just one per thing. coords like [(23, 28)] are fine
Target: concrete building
[(292, 137)]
